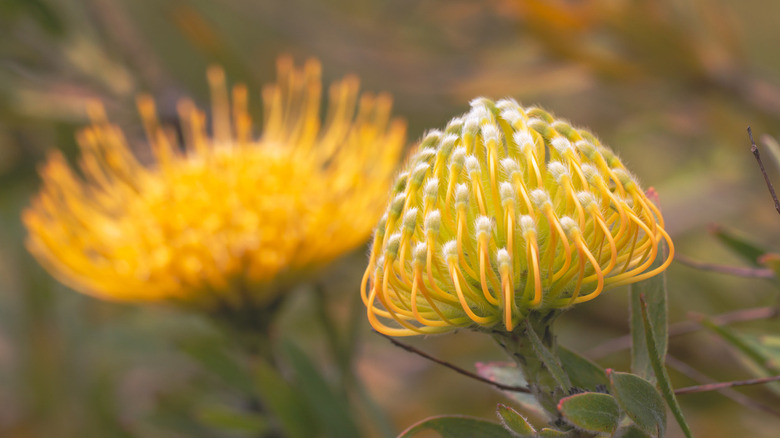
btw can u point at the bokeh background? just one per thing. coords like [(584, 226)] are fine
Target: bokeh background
[(669, 85)]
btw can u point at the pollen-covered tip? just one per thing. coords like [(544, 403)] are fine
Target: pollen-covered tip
[(568, 224), (449, 141), (458, 158), (586, 199), (490, 134), (461, 194), (540, 198), (527, 224), (507, 192), (523, 139), (433, 222), (410, 219), (503, 259), (420, 252), (557, 170), (561, 145), (483, 226), (419, 173), (397, 205), (431, 139), (591, 173), (450, 250), (393, 243), (510, 166), (508, 105), (432, 188), (472, 164)]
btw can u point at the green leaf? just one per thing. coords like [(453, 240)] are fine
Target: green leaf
[(758, 353), (639, 399), (548, 358), (654, 291), (631, 432), (591, 412), (224, 418), (583, 373), (332, 410), (739, 244), (514, 422), (458, 426), (210, 353), (284, 402), (661, 374), (507, 373)]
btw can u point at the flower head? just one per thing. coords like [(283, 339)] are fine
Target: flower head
[(505, 212), (226, 217)]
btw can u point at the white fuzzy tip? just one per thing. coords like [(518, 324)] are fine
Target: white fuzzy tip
[(458, 157), (506, 191), (523, 139), (557, 170), (561, 145), (490, 133), (433, 221), (527, 224), (449, 140), (454, 124), (540, 198), (425, 155), (432, 137), (507, 104), (461, 194), (510, 166), (586, 148), (393, 242), (470, 125), (397, 205), (590, 172), (431, 189), (479, 112), (586, 199), (472, 164), (512, 115), (568, 224), (503, 259), (420, 252), (410, 218), (450, 250), (418, 174), (483, 225), (624, 177)]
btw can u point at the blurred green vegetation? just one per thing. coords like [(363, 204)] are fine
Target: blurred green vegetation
[(669, 85)]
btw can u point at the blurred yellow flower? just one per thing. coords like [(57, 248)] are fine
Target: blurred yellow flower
[(224, 218), (507, 211)]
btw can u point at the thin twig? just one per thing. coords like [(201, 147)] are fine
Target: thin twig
[(754, 149), (730, 393), (721, 385), (685, 327), (455, 368), (724, 269)]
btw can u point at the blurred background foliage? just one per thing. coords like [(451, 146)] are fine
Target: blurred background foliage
[(669, 85)]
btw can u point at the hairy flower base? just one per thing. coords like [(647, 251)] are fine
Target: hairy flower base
[(226, 219), (508, 210)]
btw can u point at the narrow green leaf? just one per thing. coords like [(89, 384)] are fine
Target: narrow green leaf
[(661, 374), (227, 419), (514, 422), (591, 412), (639, 399), (762, 361), (212, 355), (284, 402), (739, 244), (332, 410), (458, 426), (583, 373), (508, 373), (548, 358), (654, 291)]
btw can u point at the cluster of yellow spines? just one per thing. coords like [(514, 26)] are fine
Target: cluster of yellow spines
[(507, 211), (229, 216)]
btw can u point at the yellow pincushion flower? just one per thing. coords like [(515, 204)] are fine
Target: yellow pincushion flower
[(507, 211), (230, 217)]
